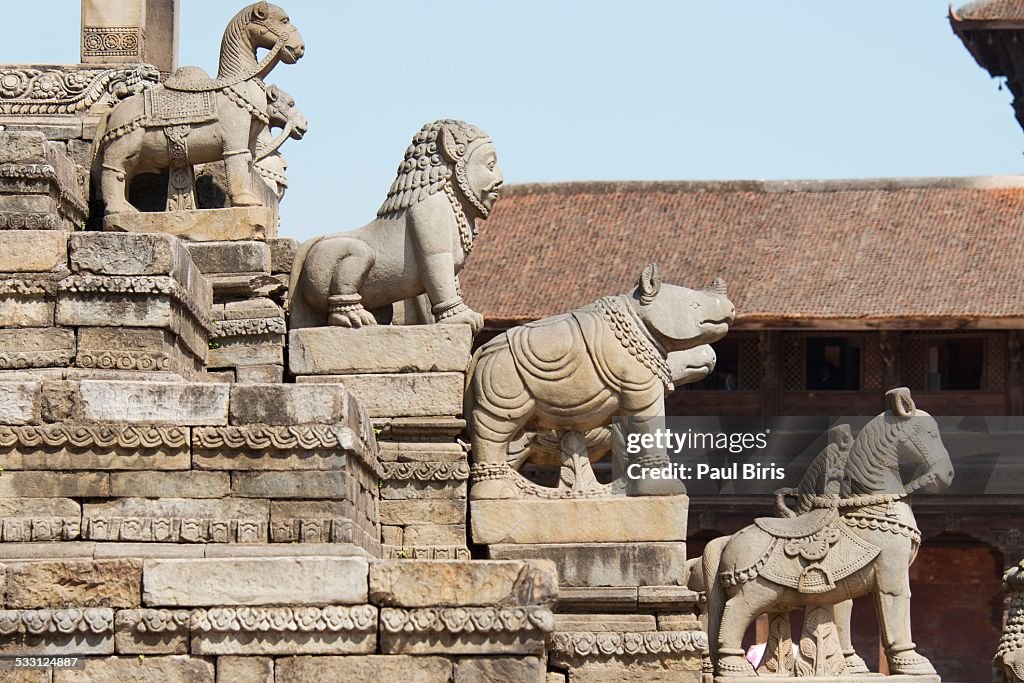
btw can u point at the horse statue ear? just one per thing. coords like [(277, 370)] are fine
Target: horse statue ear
[(450, 148), (650, 284), (273, 92), (899, 402), (261, 10)]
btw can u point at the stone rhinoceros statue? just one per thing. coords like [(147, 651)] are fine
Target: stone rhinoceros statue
[(574, 372)]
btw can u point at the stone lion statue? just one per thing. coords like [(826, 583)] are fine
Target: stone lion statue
[(424, 231)]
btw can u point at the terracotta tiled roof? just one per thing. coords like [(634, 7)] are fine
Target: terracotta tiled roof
[(934, 252), (990, 10)]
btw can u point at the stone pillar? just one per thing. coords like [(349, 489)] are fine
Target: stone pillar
[(131, 31)]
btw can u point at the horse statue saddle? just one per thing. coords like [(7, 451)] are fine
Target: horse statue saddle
[(812, 551), (166, 106)]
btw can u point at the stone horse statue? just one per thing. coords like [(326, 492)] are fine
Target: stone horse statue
[(1009, 659), (193, 119), (861, 541)]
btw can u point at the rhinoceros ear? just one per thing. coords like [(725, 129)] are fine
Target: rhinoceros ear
[(900, 402), (650, 284)]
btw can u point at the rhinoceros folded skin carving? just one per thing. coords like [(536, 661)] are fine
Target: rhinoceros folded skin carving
[(577, 371)]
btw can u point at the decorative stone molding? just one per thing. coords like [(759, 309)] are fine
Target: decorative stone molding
[(98, 620), (23, 529), (429, 552), (13, 220), (248, 327), (129, 437), (26, 286), (330, 619), (425, 471), (313, 531), (155, 620), (124, 360), (38, 359), (112, 41), (64, 180), (466, 619), (47, 90), (175, 529), (580, 644)]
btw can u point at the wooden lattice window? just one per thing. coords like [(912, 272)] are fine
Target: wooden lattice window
[(750, 363), (793, 362), (940, 361)]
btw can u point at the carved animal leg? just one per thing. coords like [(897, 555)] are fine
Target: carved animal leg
[(238, 168), (854, 663), (751, 600), (893, 607), (355, 258)]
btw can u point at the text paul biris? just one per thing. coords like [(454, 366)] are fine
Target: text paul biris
[(678, 442)]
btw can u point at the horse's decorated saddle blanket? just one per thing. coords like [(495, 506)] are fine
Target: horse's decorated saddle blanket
[(815, 562), (173, 108)]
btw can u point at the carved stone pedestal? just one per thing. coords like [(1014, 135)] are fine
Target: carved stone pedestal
[(245, 223), (411, 380)]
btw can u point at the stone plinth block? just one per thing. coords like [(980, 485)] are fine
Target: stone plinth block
[(282, 254), (33, 251), (78, 583), (28, 299), (367, 668), (39, 519), (237, 669), (289, 484), (19, 402), (39, 183), (429, 511), (438, 583), (103, 253), (465, 630), (208, 225), (131, 348), (230, 257), (177, 520), (624, 656), (193, 484), (255, 581), (379, 349), (170, 669), (37, 347), (597, 520), (151, 632), (636, 623), (59, 632), (411, 394), (520, 669), (288, 404), (177, 403), (48, 484), (68, 446), (334, 629), (605, 564), (280, 447)]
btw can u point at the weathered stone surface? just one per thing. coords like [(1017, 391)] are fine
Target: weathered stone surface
[(245, 670), (672, 622), (379, 349), (410, 394), (254, 581), (465, 630), (125, 254), (46, 550), (264, 550), (367, 668), (37, 347), (151, 632), (599, 599), (391, 535), (282, 254), (26, 310), (259, 374), (406, 512), (636, 623), (171, 669), (672, 598), (73, 583), (624, 520), (487, 669), (243, 351), (173, 520), (329, 484), (28, 251), (288, 404), (39, 519), (604, 564), (155, 402), (144, 551), (239, 223), (19, 402), (419, 490), (193, 484), (428, 583), (421, 451), (434, 534), (46, 484), (17, 147), (230, 257)]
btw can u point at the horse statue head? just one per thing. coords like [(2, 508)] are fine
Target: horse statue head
[(260, 25), (902, 433)]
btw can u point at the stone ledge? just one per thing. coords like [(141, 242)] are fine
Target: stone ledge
[(284, 630), (410, 394), (604, 564), (465, 630), (379, 349), (206, 225), (425, 583)]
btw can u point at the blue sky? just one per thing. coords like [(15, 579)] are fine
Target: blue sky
[(605, 90)]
